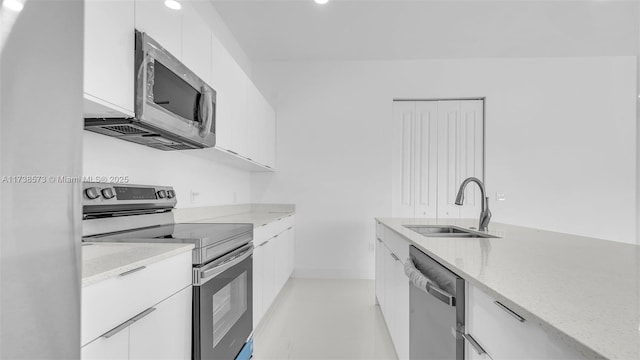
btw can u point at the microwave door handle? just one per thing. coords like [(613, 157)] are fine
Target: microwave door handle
[(206, 112)]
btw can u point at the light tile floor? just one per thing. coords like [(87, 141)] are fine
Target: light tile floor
[(323, 319)]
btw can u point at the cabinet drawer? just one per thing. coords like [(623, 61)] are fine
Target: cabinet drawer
[(269, 230), (501, 332), (396, 243), (286, 222), (111, 302)]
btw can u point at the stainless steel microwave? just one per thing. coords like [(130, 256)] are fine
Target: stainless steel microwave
[(174, 108)]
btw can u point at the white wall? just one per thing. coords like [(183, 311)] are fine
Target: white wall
[(40, 263), (186, 171), (560, 143)]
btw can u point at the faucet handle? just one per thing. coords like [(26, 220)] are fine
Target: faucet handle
[(485, 216)]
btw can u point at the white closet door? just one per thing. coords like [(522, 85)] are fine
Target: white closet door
[(460, 154), (425, 132), (403, 203)]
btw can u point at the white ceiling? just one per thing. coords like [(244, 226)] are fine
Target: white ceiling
[(300, 30)]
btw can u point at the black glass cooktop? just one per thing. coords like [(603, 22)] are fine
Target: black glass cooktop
[(201, 235)]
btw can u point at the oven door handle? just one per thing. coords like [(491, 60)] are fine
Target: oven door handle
[(205, 273)]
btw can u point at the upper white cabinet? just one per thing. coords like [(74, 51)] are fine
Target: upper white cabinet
[(436, 144), (245, 121), (231, 85), (196, 43), (164, 25), (109, 58), (262, 130)]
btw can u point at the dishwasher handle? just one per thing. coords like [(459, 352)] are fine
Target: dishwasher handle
[(420, 281)]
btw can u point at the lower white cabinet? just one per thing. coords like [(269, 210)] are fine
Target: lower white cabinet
[(504, 334), (273, 263), (166, 332), (163, 333), (141, 314), (113, 347), (392, 287)]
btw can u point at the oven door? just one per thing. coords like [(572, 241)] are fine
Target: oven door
[(171, 97), (222, 305)]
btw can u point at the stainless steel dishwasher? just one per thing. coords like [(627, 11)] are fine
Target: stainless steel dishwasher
[(436, 309)]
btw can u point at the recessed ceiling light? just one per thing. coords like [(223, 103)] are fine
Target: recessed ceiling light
[(173, 4), (321, 2), (15, 5)]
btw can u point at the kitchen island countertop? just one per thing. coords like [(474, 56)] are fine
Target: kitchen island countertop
[(584, 290)]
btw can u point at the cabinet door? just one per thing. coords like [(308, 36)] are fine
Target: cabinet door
[(196, 43), (380, 258), (258, 285), (261, 127), (291, 255), (166, 332), (269, 134), (230, 83), (255, 124), (282, 252), (401, 286), (109, 58), (114, 347), (389, 292), (460, 155), (164, 25), (269, 274)]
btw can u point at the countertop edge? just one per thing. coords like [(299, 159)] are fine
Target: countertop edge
[(93, 279)]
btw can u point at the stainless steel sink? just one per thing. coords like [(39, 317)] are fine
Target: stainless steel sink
[(447, 231)]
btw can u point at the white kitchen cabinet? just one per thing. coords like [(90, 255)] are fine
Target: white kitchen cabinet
[(379, 273), (504, 334), (261, 120), (230, 83), (166, 332), (144, 312), (164, 25), (109, 58), (196, 42), (245, 121), (437, 144), (114, 347), (258, 284), (392, 287), (273, 262)]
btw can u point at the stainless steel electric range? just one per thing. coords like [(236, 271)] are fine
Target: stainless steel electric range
[(222, 259)]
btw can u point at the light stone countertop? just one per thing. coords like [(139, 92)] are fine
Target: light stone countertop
[(102, 260), (255, 218), (583, 290), (256, 214)]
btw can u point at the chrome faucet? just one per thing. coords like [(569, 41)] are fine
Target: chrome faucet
[(485, 214)]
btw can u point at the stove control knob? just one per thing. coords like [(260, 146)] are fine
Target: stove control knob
[(108, 193), (92, 193), (171, 194), (162, 194)]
